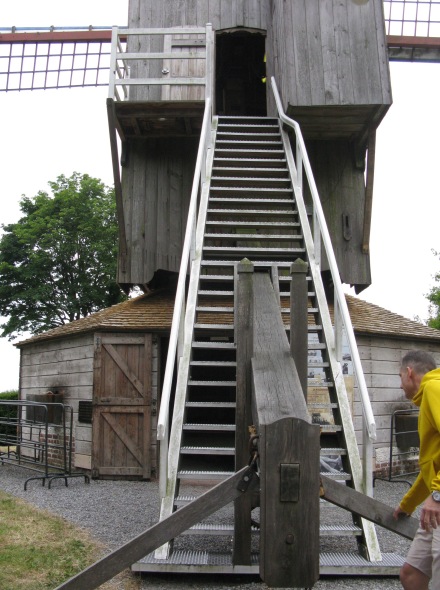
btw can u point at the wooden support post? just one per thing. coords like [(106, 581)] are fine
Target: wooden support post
[(112, 122), (298, 320), (289, 453), (243, 414)]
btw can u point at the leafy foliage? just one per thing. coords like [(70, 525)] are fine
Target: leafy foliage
[(434, 299), (58, 262), (8, 413)]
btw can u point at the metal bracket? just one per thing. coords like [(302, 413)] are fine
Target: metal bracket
[(243, 484)]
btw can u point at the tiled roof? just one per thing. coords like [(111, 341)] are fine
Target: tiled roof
[(154, 311), (368, 318)]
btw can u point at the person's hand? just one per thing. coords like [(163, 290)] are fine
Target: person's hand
[(399, 512), (430, 514)]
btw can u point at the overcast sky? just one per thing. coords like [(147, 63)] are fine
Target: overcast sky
[(53, 132)]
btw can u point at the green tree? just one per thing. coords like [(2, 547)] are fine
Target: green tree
[(58, 262), (434, 301)]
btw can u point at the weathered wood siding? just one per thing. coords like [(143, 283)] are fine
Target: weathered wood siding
[(381, 359), (341, 187), (222, 14), (65, 365), (156, 186), (329, 53)]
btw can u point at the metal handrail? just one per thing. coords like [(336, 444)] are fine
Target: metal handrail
[(321, 225)]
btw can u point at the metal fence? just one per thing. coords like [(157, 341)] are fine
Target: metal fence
[(404, 445), (39, 437)]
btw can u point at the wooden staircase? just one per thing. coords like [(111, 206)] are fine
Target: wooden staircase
[(252, 213)]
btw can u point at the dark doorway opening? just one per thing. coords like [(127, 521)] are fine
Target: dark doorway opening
[(240, 74)]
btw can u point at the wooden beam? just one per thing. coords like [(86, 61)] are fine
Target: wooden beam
[(373, 510), (98, 36), (244, 481), (288, 447), (243, 414), (299, 320), (413, 42), (368, 206), (118, 186)]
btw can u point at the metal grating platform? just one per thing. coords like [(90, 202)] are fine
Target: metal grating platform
[(334, 564)]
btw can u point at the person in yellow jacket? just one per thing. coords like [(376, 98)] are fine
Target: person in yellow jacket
[(420, 380)]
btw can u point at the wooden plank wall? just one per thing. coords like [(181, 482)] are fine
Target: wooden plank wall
[(222, 14), (67, 364), (341, 188), (329, 53), (156, 186), (381, 359)]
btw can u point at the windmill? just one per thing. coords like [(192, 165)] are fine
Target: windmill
[(159, 112)]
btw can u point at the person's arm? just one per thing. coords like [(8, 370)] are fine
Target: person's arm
[(414, 496)]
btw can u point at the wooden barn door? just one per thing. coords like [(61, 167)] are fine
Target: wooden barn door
[(122, 406)]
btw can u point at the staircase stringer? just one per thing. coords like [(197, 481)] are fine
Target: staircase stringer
[(178, 415), (371, 541)]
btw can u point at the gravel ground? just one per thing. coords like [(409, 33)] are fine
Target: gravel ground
[(116, 511)]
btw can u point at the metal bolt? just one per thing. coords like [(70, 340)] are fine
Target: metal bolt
[(289, 539)]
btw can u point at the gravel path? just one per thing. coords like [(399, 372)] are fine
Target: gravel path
[(116, 511)]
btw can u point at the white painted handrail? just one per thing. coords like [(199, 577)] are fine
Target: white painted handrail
[(121, 74), (162, 424), (320, 222)]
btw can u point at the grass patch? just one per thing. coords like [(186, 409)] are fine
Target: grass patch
[(39, 551)]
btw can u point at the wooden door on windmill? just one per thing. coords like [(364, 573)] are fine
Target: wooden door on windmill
[(122, 406), (194, 44)]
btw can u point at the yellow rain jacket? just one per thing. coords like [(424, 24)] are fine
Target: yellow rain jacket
[(428, 480)]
